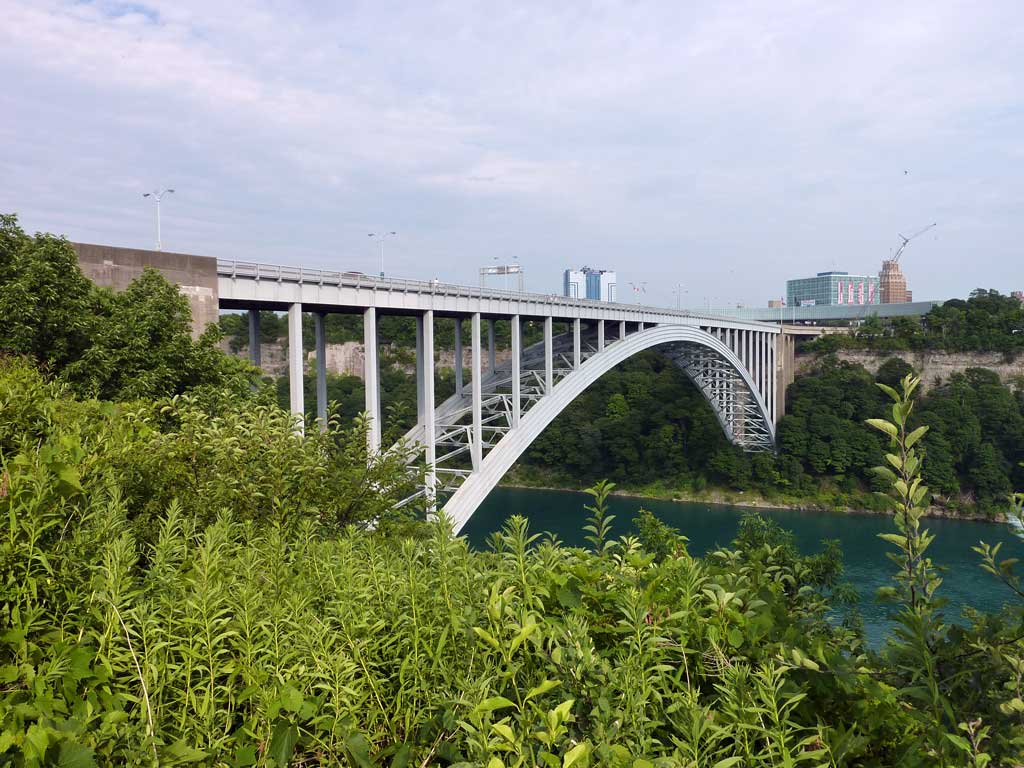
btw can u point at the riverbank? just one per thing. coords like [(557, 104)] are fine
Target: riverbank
[(747, 499)]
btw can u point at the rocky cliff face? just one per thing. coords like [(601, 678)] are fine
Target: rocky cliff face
[(347, 358), (934, 367)]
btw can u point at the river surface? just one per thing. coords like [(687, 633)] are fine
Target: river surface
[(709, 526)]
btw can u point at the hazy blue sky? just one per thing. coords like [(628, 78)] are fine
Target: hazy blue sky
[(724, 145)]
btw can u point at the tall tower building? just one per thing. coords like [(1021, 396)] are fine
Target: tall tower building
[(892, 283), (574, 284)]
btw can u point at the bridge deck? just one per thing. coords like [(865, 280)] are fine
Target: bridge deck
[(246, 285)]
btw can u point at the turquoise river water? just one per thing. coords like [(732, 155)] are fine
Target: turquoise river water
[(707, 526)]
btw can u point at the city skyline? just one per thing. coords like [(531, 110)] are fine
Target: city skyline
[(727, 149)]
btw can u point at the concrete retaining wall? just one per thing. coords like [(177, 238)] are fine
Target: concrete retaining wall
[(196, 276)]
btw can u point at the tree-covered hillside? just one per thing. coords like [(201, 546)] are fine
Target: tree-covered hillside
[(646, 426), (988, 321)]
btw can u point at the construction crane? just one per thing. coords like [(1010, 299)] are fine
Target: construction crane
[(906, 241)]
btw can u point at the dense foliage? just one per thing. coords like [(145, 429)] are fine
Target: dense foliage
[(641, 422), (988, 321), (205, 455), (252, 630), (116, 346)]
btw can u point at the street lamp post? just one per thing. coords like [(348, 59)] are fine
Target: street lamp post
[(679, 291), (158, 195), (381, 237)]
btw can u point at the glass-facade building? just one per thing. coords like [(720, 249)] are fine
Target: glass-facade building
[(599, 284), (831, 288)]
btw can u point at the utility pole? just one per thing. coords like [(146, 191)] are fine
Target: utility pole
[(382, 236), (158, 195)]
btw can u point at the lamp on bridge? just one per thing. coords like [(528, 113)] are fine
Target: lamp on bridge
[(382, 236)]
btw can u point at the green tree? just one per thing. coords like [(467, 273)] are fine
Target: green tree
[(142, 347), (45, 301)]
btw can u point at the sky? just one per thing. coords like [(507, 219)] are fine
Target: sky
[(718, 146)]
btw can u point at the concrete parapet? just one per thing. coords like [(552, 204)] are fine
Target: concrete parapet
[(195, 276)]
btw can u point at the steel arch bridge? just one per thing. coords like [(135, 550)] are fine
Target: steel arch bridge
[(470, 440), (706, 359)]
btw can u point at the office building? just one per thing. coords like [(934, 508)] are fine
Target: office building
[(831, 288), (574, 284), (598, 284)]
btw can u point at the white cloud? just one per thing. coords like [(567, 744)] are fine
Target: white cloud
[(728, 145)]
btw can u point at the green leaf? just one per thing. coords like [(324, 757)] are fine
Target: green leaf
[(494, 703), (503, 730), (543, 688), (291, 699), (401, 758), (888, 390), (358, 747), (961, 743), (576, 754), (916, 435), (883, 426), (522, 635), (487, 637), (282, 743), (74, 755), (181, 753), (69, 476), (728, 762)]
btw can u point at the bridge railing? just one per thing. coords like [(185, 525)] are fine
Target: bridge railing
[(289, 274)]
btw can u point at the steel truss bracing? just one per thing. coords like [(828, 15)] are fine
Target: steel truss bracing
[(575, 360)]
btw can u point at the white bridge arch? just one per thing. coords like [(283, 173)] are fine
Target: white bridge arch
[(713, 367)]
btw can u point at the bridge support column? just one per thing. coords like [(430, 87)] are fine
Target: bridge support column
[(490, 346), (549, 374), (576, 351), (764, 366), (458, 356), (298, 408), (600, 335), (516, 356), (765, 370), (622, 329), (757, 361), (420, 378), (321, 370), (254, 337), (476, 445), (429, 431), (371, 378)]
